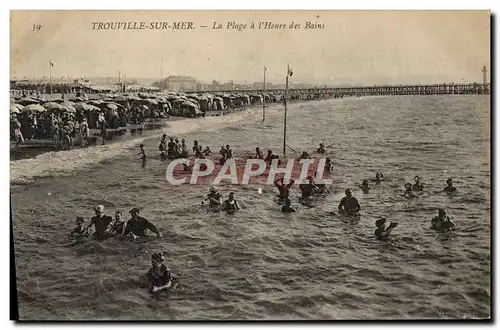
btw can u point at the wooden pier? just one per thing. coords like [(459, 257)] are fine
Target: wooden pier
[(320, 92)]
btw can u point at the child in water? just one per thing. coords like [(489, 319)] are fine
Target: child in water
[(79, 230), (159, 275), (382, 232)]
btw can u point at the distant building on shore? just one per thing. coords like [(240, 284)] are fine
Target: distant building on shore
[(181, 83)]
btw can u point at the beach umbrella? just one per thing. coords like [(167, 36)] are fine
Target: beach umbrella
[(34, 107), (52, 106), (96, 102), (68, 108), (78, 99), (189, 104), (28, 101), (57, 100), (86, 107)]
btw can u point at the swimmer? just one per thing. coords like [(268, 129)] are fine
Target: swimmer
[(159, 275), (442, 222), (214, 197), (349, 204), (258, 154), (328, 165), (230, 205), (379, 177), (100, 222), (408, 192), (183, 149), (137, 226), (162, 148), (382, 232), (449, 187), (321, 149), (229, 152), (207, 151), (304, 155), (196, 146), (365, 187), (172, 152), (79, 230), (287, 208), (118, 226), (417, 186), (283, 189), (308, 188)]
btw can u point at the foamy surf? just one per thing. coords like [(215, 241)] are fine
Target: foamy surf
[(65, 162)]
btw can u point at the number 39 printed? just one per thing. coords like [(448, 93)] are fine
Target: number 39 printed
[(36, 27)]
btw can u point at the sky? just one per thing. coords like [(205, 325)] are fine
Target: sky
[(354, 47)]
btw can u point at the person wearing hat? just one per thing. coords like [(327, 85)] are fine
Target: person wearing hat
[(230, 205), (349, 204), (382, 232), (321, 149), (442, 222), (159, 275), (137, 226), (100, 221), (417, 186), (449, 187), (79, 230)]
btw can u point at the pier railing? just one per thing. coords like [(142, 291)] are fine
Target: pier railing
[(438, 89)]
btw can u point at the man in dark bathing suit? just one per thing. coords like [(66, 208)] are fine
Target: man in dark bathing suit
[(283, 189), (137, 225), (269, 157), (258, 154), (349, 204), (304, 155), (449, 187), (172, 153), (417, 186), (100, 222), (328, 165), (308, 188), (287, 208)]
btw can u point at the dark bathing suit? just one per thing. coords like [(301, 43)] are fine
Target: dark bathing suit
[(101, 224), (139, 226)]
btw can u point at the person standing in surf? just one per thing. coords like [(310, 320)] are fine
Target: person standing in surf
[(417, 186), (143, 155), (287, 208), (230, 205), (283, 189), (137, 226), (382, 232)]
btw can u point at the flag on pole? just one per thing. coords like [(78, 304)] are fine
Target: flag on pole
[(265, 69), (51, 63), (290, 72)]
